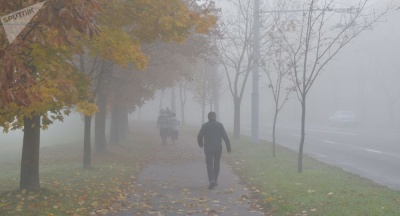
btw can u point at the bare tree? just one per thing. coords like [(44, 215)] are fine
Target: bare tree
[(203, 86), (279, 82), (235, 54), (273, 62), (317, 33)]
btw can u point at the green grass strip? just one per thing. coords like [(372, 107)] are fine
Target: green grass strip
[(68, 189), (320, 189)]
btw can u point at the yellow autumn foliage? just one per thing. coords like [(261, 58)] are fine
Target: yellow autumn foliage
[(115, 44)]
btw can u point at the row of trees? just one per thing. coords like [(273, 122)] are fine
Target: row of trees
[(88, 55), (298, 40)]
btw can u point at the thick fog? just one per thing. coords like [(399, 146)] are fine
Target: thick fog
[(362, 78), (70, 131)]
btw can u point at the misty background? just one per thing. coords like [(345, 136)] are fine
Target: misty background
[(363, 78)]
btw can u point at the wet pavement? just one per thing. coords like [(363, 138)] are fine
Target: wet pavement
[(175, 183)]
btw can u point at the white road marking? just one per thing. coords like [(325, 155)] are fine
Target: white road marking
[(335, 132), (374, 151), (381, 152), (320, 156), (325, 131), (352, 146)]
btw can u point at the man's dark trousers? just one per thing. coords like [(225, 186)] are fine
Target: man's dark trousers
[(213, 164)]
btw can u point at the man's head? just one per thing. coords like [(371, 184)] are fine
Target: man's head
[(212, 116)]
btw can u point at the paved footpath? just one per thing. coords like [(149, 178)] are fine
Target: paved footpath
[(175, 183)]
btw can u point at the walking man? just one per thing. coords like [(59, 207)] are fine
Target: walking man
[(162, 124), (210, 136)]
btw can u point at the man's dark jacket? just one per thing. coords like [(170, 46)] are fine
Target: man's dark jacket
[(211, 135)]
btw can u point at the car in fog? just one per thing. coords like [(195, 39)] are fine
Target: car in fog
[(343, 118)]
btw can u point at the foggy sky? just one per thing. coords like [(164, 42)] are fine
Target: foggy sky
[(357, 79), (354, 80)]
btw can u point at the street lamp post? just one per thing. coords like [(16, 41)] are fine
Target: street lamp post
[(256, 57)]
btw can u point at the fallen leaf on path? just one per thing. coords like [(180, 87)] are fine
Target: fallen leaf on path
[(212, 212), (228, 191), (269, 199), (244, 197)]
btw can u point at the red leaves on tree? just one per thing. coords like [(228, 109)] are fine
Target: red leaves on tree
[(62, 19)]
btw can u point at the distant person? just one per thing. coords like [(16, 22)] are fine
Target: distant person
[(168, 112), (210, 136), (162, 124), (173, 127)]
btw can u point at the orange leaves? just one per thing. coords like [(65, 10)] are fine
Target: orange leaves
[(204, 26), (56, 24), (168, 20), (43, 82), (36, 72), (53, 85), (87, 108), (116, 45), (71, 15)]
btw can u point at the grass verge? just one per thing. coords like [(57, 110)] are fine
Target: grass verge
[(319, 190), (68, 189)]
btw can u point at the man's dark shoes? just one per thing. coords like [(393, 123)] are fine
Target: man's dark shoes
[(211, 186)]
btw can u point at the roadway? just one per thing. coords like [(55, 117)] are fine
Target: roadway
[(370, 153)]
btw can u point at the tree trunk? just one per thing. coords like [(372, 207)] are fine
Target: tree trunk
[(124, 123), (100, 124), (29, 179), (119, 124), (115, 124), (87, 149), (273, 133), (182, 94), (303, 134), (236, 119)]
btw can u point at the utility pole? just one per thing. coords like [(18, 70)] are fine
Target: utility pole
[(203, 102), (215, 83), (256, 57), (173, 101), (216, 89)]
